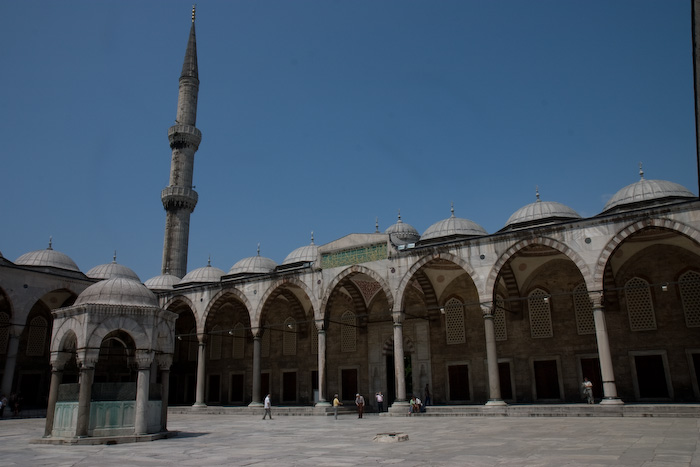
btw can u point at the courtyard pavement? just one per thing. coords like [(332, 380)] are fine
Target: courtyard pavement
[(218, 440)]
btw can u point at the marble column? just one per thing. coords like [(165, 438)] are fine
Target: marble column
[(11, 360), (201, 373), (165, 361), (87, 373), (58, 362), (144, 359), (491, 357), (604, 357), (400, 403), (257, 400), (322, 401)]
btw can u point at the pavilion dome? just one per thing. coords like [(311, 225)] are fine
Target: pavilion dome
[(162, 282), (111, 271), (304, 254), (541, 212), (47, 258), (453, 226), (206, 274), (402, 233), (117, 291), (253, 265), (645, 193)]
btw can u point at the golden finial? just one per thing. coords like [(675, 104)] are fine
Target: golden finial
[(193, 8)]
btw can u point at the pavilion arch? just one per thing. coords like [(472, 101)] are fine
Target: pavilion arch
[(664, 223), (352, 270), (121, 323), (214, 302), (427, 259), (274, 287), (542, 241), (71, 326)]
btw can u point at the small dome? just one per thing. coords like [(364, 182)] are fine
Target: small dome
[(541, 212), (402, 233), (304, 254), (253, 265), (47, 258), (117, 291), (646, 193), (112, 270), (162, 282), (206, 274), (453, 226)]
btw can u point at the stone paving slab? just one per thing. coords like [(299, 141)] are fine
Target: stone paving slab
[(240, 440)]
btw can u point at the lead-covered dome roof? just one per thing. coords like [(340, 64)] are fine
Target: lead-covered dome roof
[(453, 226), (645, 193), (401, 233), (303, 254), (117, 291), (206, 274), (541, 212), (47, 258), (253, 265), (162, 282), (112, 270)]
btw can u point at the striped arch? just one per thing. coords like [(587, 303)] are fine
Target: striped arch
[(120, 323), (426, 259), (624, 234), (408, 347), (201, 324), (187, 301), (356, 269), (544, 241), (273, 288), (67, 328)]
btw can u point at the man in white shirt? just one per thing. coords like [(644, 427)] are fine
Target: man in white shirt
[(268, 407)]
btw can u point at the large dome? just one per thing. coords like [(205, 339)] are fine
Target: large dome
[(117, 291), (304, 254), (47, 258), (402, 233), (206, 274), (253, 265), (111, 271), (541, 212), (645, 193), (162, 282), (453, 226)]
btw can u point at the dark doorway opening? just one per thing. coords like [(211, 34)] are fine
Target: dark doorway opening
[(214, 388), (349, 383), (547, 379), (237, 389), (289, 386), (458, 377), (651, 377), (506, 383), (590, 368)]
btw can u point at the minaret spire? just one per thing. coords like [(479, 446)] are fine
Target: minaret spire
[(179, 197)]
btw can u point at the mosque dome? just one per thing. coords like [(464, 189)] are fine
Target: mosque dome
[(402, 233), (304, 254), (206, 274), (541, 212), (453, 226), (253, 265), (646, 193), (47, 258), (117, 291), (111, 271), (162, 282)]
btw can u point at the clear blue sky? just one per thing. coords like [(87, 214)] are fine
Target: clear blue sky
[(323, 115)]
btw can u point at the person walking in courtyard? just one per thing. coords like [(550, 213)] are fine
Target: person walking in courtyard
[(587, 390), (380, 401), (3, 404), (336, 404), (360, 403), (268, 407)]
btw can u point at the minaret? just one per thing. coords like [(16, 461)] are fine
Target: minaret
[(179, 198)]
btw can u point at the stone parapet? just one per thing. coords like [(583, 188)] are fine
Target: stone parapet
[(179, 197), (182, 135)]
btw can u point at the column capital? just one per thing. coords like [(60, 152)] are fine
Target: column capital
[(398, 317), (87, 358), (320, 325), (202, 337), (486, 310), (165, 360), (596, 298), (144, 358), (59, 360)]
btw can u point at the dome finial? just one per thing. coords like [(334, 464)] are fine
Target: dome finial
[(537, 193), (209, 261), (399, 221), (50, 243), (193, 13), (452, 208), (258, 248), (114, 258), (312, 237), (641, 172), (376, 225)]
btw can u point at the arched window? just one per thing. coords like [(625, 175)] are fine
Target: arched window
[(499, 319), (454, 322), (584, 310), (639, 307), (238, 341), (348, 332), (540, 314), (689, 284), (289, 338), (215, 343), (4, 332), (36, 341)]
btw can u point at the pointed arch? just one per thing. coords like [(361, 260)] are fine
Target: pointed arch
[(120, 323), (214, 302), (183, 299), (355, 269), (273, 288), (408, 346)]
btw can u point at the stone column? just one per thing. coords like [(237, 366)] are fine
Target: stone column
[(201, 374), (257, 401), (400, 404), (322, 402), (58, 362), (11, 359), (604, 357), (165, 361), (144, 358), (87, 373), (491, 357)]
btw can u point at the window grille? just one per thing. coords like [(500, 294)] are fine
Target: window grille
[(238, 347), (454, 322), (499, 319), (314, 339), (348, 332), (639, 307), (36, 342), (690, 297), (585, 324), (540, 314), (289, 337)]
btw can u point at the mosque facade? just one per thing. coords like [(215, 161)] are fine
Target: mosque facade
[(521, 315)]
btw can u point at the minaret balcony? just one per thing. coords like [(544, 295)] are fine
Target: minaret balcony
[(179, 197), (184, 135)]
